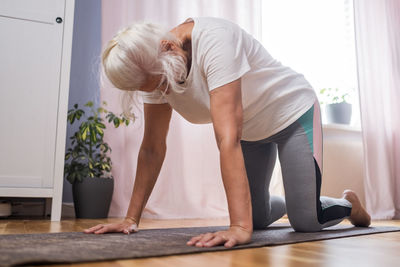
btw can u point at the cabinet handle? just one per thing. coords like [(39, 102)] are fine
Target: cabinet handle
[(58, 20)]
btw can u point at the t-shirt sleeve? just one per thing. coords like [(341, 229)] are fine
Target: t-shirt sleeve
[(223, 57), (154, 97)]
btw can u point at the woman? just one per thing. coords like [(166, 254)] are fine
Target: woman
[(210, 70)]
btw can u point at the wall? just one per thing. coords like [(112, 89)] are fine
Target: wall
[(343, 161), (86, 49)]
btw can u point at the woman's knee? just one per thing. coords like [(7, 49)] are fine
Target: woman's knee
[(274, 213), (305, 223)]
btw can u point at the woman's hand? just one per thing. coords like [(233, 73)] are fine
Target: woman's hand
[(236, 235), (125, 227)]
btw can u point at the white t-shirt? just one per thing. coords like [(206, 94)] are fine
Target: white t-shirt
[(273, 96)]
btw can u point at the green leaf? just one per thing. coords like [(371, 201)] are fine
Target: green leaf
[(80, 112), (78, 115), (101, 125), (85, 132), (75, 106), (100, 131), (116, 122), (83, 127), (89, 104), (110, 117), (101, 110), (69, 117), (93, 137)]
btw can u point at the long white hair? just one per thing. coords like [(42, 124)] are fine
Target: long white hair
[(135, 53)]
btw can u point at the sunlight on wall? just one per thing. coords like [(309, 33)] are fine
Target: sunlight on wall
[(315, 38)]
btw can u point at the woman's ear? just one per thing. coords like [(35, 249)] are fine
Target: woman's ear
[(167, 45)]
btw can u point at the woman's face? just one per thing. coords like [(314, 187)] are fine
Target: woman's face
[(153, 82)]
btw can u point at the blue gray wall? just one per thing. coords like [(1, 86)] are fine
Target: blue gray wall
[(86, 49)]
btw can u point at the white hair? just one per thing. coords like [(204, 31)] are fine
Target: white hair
[(135, 53)]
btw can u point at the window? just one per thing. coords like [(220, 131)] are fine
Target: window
[(315, 38)]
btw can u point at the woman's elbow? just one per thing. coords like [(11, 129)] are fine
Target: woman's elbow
[(228, 142)]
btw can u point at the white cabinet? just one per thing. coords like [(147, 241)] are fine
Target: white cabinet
[(35, 55)]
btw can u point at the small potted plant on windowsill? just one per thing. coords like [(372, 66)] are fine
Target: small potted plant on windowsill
[(337, 107), (88, 166)]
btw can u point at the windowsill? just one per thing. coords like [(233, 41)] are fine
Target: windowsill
[(341, 127)]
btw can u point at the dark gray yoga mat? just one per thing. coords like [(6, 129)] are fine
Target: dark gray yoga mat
[(73, 247)]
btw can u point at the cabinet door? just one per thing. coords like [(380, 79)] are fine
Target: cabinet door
[(30, 60), (44, 11)]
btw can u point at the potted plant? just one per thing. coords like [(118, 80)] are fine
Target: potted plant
[(88, 165), (337, 107)]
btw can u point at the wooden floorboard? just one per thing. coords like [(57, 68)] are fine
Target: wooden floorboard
[(371, 250)]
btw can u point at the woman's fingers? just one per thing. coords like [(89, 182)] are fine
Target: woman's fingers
[(93, 229), (230, 243), (205, 239), (229, 238), (217, 240), (213, 239), (194, 240), (208, 239), (102, 230), (112, 228)]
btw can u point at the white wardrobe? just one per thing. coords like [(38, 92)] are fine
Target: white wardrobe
[(35, 56)]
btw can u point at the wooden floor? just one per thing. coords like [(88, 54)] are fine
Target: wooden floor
[(370, 250)]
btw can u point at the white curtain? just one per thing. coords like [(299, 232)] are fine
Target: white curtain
[(377, 25), (189, 185)]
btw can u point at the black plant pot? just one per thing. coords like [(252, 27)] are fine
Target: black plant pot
[(338, 113), (92, 197)]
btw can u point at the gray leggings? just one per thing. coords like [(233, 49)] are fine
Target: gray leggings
[(300, 154)]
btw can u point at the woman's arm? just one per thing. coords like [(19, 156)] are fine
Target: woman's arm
[(150, 159), (151, 156), (227, 116)]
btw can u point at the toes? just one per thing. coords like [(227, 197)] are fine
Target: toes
[(350, 196), (359, 216)]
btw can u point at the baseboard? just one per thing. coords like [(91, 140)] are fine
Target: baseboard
[(31, 207), (68, 210), (39, 208)]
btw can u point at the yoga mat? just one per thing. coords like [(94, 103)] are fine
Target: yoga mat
[(74, 247)]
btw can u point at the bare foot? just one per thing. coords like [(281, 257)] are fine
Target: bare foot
[(359, 216)]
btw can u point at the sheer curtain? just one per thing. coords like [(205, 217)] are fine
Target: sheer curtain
[(315, 38), (377, 25), (189, 185)]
